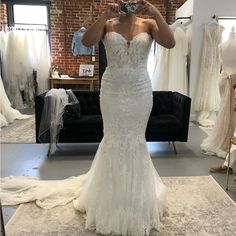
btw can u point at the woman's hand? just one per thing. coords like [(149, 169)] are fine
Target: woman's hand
[(146, 8), (112, 10)]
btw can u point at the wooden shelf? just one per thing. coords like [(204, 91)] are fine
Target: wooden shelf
[(82, 83)]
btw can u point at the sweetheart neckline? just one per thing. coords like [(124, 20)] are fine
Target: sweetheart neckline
[(128, 41)]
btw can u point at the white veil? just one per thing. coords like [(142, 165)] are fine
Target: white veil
[(52, 117)]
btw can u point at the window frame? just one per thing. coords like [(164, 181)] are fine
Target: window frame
[(10, 12), (10, 9)]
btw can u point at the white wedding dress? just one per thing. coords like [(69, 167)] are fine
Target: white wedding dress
[(7, 113), (170, 73), (206, 102), (122, 193)]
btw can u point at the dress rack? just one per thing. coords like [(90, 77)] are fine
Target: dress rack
[(184, 17), (26, 24), (223, 18)]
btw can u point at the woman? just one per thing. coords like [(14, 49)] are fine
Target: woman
[(122, 193)]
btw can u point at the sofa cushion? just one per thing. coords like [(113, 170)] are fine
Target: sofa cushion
[(163, 127), (72, 111), (88, 128), (89, 102), (86, 123), (162, 103)]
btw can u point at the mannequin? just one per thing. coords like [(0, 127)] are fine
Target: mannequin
[(228, 53), (228, 81)]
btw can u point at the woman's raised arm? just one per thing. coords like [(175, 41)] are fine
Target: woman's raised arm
[(95, 32)]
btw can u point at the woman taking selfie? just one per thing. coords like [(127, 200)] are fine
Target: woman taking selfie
[(122, 193), (131, 196)]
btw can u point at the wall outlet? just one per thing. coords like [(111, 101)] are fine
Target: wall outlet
[(93, 58)]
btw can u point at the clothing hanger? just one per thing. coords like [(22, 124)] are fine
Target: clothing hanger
[(181, 23), (186, 23), (176, 24), (214, 21)]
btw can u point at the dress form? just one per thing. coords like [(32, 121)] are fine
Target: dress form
[(228, 54), (217, 143)]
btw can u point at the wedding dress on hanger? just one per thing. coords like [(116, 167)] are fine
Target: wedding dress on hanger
[(122, 192), (178, 62), (161, 70), (7, 113), (170, 73), (206, 101), (24, 52), (14, 69)]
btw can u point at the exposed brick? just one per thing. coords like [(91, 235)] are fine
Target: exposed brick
[(67, 16), (3, 16)]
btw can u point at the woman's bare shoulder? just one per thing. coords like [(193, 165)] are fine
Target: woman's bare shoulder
[(110, 23), (146, 23)]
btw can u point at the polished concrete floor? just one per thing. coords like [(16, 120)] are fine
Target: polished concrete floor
[(76, 159)]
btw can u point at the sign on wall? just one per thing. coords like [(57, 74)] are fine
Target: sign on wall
[(86, 70)]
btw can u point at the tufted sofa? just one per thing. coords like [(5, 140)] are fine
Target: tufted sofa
[(169, 119)]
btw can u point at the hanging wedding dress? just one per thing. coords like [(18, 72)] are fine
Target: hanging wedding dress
[(14, 80), (3, 45), (7, 113), (122, 193), (161, 70), (178, 63), (24, 52), (170, 73), (207, 97), (43, 60)]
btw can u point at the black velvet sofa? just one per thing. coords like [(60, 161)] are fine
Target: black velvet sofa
[(169, 119)]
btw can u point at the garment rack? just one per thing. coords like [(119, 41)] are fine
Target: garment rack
[(29, 24), (223, 18), (184, 17)]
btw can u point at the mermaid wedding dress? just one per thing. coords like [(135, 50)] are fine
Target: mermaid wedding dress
[(121, 193)]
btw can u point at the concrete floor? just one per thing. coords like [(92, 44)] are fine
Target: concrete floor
[(76, 159)]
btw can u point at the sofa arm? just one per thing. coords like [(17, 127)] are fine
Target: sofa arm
[(39, 104), (181, 109)]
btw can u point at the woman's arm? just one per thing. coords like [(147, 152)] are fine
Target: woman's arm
[(160, 30), (95, 32)]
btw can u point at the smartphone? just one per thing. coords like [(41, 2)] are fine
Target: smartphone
[(128, 7)]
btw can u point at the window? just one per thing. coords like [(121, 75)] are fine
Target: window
[(30, 15)]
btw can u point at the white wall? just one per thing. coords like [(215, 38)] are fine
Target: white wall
[(186, 9)]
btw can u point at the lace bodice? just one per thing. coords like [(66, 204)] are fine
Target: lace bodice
[(123, 53)]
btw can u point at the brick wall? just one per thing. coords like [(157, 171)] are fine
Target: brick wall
[(3, 15), (67, 16)]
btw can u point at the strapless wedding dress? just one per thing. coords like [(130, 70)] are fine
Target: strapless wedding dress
[(122, 192)]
